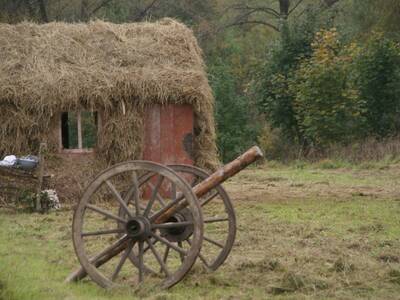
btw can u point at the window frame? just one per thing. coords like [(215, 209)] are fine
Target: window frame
[(80, 148)]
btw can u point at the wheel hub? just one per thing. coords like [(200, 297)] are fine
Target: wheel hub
[(138, 228), (179, 234)]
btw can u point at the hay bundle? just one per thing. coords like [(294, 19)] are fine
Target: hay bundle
[(56, 67)]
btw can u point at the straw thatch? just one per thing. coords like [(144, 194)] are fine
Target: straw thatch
[(47, 69)]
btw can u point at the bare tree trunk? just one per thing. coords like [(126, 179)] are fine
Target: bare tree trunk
[(329, 3), (140, 15), (43, 11), (84, 10), (284, 8), (31, 9)]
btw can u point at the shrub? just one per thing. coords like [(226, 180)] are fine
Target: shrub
[(236, 127), (378, 80), (327, 104), (276, 145), (275, 99)]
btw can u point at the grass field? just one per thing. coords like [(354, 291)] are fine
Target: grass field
[(305, 232)]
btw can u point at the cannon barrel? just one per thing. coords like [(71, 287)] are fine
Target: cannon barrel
[(215, 179)]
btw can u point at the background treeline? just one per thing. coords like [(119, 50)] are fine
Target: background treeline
[(302, 78)]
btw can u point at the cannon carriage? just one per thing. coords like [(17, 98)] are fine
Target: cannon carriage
[(158, 226)]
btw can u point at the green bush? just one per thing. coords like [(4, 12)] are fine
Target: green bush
[(235, 113), (318, 91), (327, 105), (283, 57), (236, 129), (378, 71)]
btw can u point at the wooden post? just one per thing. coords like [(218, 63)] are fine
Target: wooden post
[(79, 126), (199, 190), (42, 149)]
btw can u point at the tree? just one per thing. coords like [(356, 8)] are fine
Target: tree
[(275, 99), (271, 13), (44, 11), (378, 68), (83, 10), (327, 103), (197, 14), (235, 115), (14, 11), (361, 17)]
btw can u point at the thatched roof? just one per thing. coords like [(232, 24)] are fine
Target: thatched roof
[(48, 68)]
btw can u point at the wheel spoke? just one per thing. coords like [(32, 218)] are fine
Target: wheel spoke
[(141, 265), (127, 199), (100, 232), (135, 262), (105, 213), (136, 192), (209, 198), (213, 242), (202, 258), (98, 258), (159, 198), (168, 243), (172, 225), (157, 256), (180, 254), (148, 247), (213, 220), (122, 260), (153, 196), (166, 208), (119, 198), (166, 254), (173, 191)]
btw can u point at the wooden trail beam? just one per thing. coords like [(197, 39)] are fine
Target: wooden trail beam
[(215, 179), (100, 259)]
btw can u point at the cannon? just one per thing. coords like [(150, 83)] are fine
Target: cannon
[(140, 220)]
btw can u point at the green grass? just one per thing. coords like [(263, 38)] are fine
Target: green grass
[(303, 233)]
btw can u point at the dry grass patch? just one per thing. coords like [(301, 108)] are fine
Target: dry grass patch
[(293, 242)]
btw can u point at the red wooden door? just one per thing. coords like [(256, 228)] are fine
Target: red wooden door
[(168, 135)]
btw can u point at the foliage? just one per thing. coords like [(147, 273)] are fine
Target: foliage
[(236, 129), (378, 69), (230, 70), (26, 200), (327, 105), (276, 100), (276, 145), (191, 12), (331, 91), (368, 15), (304, 96)]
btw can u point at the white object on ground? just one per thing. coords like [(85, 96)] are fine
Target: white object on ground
[(54, 202), (8, 161)]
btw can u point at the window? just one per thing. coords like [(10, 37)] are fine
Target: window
[(78, 131)]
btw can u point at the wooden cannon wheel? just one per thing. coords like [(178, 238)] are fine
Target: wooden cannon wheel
[(157, 209), (218, 216), (218, 238), (104, 237)]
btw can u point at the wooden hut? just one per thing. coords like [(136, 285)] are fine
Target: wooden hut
[(101, 93)]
